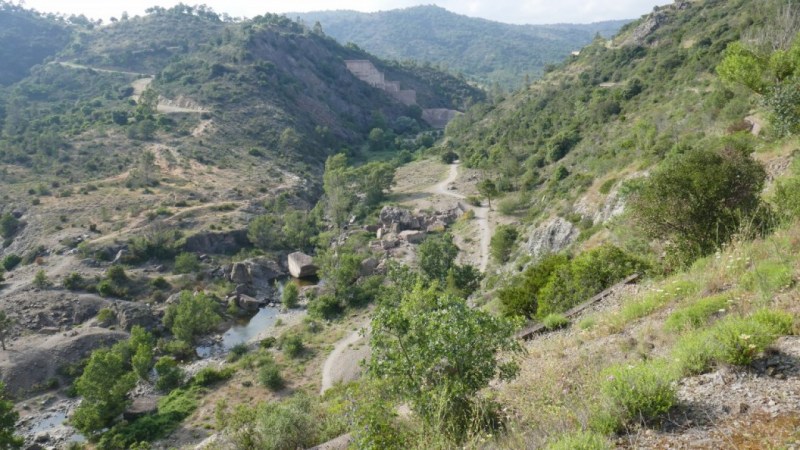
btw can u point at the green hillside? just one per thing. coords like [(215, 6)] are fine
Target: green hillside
[(28, 39), (484, 51)]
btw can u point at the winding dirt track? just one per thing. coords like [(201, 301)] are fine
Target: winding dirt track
[(481, 213)]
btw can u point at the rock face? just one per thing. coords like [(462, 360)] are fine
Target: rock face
[(412, 237), (396, 220), (551, 237), (301, 265), (248, 303), (31, 363)]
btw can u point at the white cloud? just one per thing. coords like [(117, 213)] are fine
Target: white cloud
[(510, 11)]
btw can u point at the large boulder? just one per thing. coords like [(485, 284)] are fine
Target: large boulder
[(302, 265), (412, 237), (141, 407)]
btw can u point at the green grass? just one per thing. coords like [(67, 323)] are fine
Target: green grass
[(634, 394), (655, 300), (698, 313), (582, 440), (555, 322), (769, 277)]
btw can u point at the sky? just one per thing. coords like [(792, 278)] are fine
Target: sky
[(509, 11)]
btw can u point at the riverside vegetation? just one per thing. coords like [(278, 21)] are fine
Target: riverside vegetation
[(638, 150)]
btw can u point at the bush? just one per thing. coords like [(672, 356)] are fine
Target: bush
[(74, 282), (106, 316), (292, 345), (187, 263), (269, 375), (8, 225), (521, 298), (11, 261), (698, 313), (637, 394), (116, 274), (555, 321), (160, 283), (693, 193), (106, 288), (170, 375), (325, 307), (208, 376), (290, 295), (236, 352), (40, 280), (502, 243)]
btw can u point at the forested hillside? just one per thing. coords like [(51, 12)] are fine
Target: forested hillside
[(483, 51), (28, 39)]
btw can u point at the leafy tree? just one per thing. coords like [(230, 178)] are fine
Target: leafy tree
[(373, 180), (521, 297), (503, 241), (463, 280), (698, 200), (142, 361), (193, 315), (425, 347), (340, 268), (376, 140), (299, 229), (773, 75), (104, 384), (337, 188), (488, 189), (170, 375), (6, 324), (437, 255), (8, 420), (265, 232), (290, 295)]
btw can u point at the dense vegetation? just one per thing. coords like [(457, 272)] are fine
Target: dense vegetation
[(490, 53)]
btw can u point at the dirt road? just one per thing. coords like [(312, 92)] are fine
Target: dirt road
[(343, 362), (481, 213)]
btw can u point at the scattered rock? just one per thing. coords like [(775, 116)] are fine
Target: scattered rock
[(301, 265), (412, 237)]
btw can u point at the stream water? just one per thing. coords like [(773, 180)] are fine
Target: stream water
[(246, 330)]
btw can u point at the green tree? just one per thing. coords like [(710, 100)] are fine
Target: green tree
[(698, 200), (6, 325), (340, 268), (193, 315), (290, 295), (488, 189), (104, 385), (142, 361), (170, 375), (425, 348), (437, 255), (265, 232), (502, 243), (521, 297), (299, 229), (338, 189), (374, 180), (376, 140), (8, 420)]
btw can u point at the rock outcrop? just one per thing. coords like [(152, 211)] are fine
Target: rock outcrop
[(551, 237), (255, 273), (217, 243), (301, 265)]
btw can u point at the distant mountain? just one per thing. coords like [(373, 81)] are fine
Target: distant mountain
[(484, 51)]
